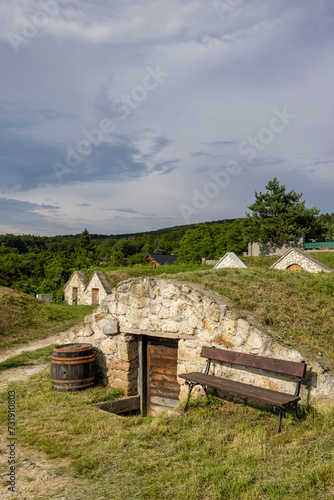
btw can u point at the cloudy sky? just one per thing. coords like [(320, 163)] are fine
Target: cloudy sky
[(124, 116)]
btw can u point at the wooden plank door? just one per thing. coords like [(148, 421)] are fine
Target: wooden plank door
[(162, 385), (74, 296), (95, 296)]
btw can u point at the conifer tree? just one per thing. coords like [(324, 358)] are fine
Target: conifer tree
[(279, 216)]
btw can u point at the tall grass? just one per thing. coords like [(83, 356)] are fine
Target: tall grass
[(214, 451)]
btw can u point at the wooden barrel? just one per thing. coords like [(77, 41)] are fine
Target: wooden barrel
[(73, 367)]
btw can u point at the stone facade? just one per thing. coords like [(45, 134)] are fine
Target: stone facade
[(196, 317), (230, 260), (87, 293), (294, 257), (75, 288)]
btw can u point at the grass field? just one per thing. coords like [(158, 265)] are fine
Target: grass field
[(217, 450)]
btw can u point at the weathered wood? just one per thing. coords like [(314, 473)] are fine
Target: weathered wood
[(172, 336), (278, 399), (122, 405), (73, 367), (281, 366), (142, 374), (163, 401), (162, 371), (241, 389)]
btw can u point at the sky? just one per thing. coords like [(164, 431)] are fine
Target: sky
[(127, 116)]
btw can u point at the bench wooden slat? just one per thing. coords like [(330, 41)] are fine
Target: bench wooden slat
[(270, 364), (245, 390)]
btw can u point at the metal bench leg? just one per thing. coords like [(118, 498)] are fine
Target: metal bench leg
[(280, 414), (191, 386), (296, 414)]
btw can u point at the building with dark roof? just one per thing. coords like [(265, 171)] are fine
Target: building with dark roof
[(161, 259)]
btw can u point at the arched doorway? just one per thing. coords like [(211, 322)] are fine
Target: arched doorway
[(295, 267)]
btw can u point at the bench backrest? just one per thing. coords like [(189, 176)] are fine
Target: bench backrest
[(270, 364)]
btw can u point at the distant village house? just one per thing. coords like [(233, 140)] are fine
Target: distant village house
[(78, 291), (161, 259)]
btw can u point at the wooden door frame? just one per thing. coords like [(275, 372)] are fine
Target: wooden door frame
[(75, 295), (143, 368), (142, 373), (94, 294)]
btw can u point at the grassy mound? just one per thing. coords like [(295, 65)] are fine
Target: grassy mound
[(23, 318)]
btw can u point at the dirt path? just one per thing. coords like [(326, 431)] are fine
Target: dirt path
[(36, 476), (24, 372), (32, 345)]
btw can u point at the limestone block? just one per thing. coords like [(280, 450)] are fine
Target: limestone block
[(137, 290), (192, 344), (169, 326), (135, 315), (257, 341), (224, 340), (123, 287), (185, 353), (126, 376), (122, 308), (129, 388), (127, 351), (229, 325), (109, 346), (144, 324), (178, 311), (209, 326), (164, 312), (196, 296), (140, 303), (242, 326), (153, 307), (185, 289), (185, 329), (108, 325), (123, 298), (193, 321), (281, 352), (212, 312), (150, 289), (118, 364), (169, 292)]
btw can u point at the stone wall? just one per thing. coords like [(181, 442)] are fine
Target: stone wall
[(306, 262), (195, 316)]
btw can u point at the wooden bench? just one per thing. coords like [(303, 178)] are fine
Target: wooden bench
[(281, 401)]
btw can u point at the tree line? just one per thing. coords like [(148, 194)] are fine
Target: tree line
[(41, 264)]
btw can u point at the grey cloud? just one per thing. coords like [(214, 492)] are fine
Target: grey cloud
[(165, 167), (16, 213), (160, 143), (219, 143), (203, 153), (128, 211)]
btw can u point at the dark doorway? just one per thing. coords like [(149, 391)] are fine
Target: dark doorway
[(74, 295)]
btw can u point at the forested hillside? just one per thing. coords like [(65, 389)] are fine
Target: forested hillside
[(40, 264)]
